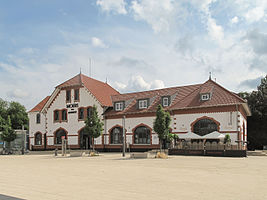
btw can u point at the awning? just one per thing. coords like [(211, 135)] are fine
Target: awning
[(189, 135), (213, 135)]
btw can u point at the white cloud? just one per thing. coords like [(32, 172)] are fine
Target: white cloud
[(17, 93), (115, 6), (160, 14), (234, 20), (96, 42), (137, 83), (255, 14), (215, 31)]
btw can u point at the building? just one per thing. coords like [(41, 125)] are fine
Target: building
[(200, 109)]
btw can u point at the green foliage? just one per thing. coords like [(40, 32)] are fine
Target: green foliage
[(257, 123), (18, 115), (93, 124), (162, 124), (16, 112), (227, 139), (8, 133)]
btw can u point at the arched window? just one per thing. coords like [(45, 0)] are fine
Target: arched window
[(205, 126), (58, 136), (38, 139), (116, 136), (142, 135)]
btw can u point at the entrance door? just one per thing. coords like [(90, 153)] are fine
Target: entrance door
[(85, 141), (45, 141)]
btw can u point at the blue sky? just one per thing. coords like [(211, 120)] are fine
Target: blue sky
[(134, 44)]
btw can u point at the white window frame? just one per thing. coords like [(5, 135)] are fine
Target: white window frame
[(142, 104), (119, 106), (164, 102), (205, 97)]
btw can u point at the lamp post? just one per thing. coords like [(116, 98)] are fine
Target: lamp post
[(124, 136)]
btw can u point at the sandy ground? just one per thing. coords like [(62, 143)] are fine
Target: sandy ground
[(111, 177)]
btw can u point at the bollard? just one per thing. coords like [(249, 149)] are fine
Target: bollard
[(56, 152)]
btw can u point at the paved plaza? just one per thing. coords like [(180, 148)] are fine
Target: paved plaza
[(109, 176)]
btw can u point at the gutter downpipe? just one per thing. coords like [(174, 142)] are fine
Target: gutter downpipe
[(238, 133)]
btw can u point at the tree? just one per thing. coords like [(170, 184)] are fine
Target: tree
[(227, 139), (18, 115), (162, 124), (93, 125), (173, 138), (257, 126), (8, 133)]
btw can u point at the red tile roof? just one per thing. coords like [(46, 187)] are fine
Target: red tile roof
[(219, 96), (102, 91), (40, 105), (181, 98)]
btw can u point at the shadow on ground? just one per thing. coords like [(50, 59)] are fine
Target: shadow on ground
[(5, 197)]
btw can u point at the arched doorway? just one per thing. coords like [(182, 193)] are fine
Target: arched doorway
[(116, 136), (59, 134), (85, 139), (142, 135)]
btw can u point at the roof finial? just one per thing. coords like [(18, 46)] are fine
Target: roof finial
[(80, 70), (210, 76), (106, 79)]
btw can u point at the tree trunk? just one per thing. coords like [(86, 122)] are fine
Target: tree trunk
[(160, 145)]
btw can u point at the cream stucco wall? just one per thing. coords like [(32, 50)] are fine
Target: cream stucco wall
[(34, 127), (181, 123), (72, 125)]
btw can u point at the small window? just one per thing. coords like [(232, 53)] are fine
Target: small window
[(119, 106), (38, 118), (142, 104), (89, 112), (230, 119), (205, 97), (64, 115), (165, 101), (81, 113), (56, 115), (76, 95), (68, 93)]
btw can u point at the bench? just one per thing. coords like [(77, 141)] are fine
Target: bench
[(138, 155)]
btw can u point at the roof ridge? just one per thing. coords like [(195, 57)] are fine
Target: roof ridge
[(155, 90), (186, 95), (233, 94)]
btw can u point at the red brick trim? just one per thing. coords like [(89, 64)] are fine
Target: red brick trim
[(213, 109), (110, 131), (38, 132), (56, 132), (205, 117), (78, 95), (84, 112), (79, 136), (133, 130)]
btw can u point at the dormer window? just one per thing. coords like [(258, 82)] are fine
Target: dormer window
[(142, 103), (205, 97), (165, 101), (119, 106)]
